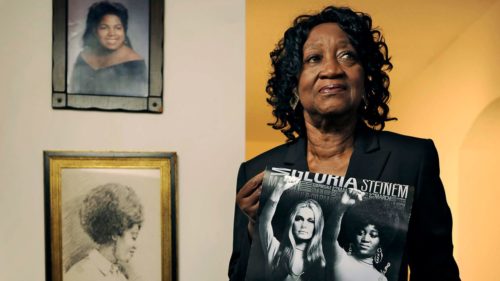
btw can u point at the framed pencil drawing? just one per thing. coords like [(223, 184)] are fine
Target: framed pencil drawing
[(110, 216), (108, 55)]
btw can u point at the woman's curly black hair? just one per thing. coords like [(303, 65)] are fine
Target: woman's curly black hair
[(287, 63), (109, 210), (96, 13)]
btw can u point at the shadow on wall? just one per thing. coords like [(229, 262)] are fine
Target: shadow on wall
[(479, 196)]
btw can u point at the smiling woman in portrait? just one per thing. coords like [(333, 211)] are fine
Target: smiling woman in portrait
[(112, 216), (108, 65)]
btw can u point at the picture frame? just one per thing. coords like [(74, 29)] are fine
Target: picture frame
[(135, 84), (135, 237)]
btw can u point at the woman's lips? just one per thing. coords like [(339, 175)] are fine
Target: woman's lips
[(332, 88), (364, 246)]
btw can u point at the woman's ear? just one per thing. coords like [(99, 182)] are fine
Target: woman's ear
[(114, 237)]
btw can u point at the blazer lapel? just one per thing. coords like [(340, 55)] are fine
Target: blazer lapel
[(367, 160), (296, 155)]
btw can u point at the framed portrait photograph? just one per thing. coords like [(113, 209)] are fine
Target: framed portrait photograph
[(108, 55), (110, 216)]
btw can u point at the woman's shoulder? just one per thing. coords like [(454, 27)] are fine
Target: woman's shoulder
[(396, 141), (277, 153), (81, 268), (273, 152), (350, 268), (128, 54), (274, 157)]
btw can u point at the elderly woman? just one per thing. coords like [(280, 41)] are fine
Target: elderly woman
[(299, 253), (108, 65), (112, 216), (329, 92)]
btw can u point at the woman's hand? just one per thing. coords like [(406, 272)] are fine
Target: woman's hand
[(248, 197), (351, 196)]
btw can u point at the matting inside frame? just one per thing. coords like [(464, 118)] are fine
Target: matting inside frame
[(77, 183)]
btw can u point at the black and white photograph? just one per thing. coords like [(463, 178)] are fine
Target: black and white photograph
[(114, 217), (325, 227), (109, 60)]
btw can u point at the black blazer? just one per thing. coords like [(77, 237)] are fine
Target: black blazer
[(383, 156)]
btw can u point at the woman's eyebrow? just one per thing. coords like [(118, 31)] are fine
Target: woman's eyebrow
[(344, 42), (312, 45)]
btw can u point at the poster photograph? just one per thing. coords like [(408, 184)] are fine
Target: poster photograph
[(108, 55), (110, 216), (325, 227)]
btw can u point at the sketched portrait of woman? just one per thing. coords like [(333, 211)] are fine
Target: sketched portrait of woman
[(108, 225), (112, 215)]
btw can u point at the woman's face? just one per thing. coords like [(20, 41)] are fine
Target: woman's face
[(331, 81), (110, 32), (303, 224), (367, 241), (126, 243)]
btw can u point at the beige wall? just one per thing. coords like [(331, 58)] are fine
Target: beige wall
[(450, 97), (451, 101), (203, 122)]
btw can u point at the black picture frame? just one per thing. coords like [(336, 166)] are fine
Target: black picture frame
[(61, 99), (69, 176)]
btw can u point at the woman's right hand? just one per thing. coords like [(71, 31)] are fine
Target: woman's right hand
[(248, 197)]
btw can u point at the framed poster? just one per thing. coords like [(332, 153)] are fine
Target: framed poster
[(110, 215), (108, 55)]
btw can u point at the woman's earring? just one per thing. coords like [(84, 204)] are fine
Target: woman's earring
[(294, 100), (379, 255), (349, 252), (365, 102), (384, 271)]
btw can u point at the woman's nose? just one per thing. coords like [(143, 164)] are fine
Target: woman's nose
[(331, 68), (365, 237)]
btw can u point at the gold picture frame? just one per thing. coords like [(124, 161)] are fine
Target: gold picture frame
[(137, 238)]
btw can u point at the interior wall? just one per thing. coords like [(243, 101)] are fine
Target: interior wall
[(203, 121), (442, 101), (478, 194)]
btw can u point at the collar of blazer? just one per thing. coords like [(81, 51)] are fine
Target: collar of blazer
[(367, 160)]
